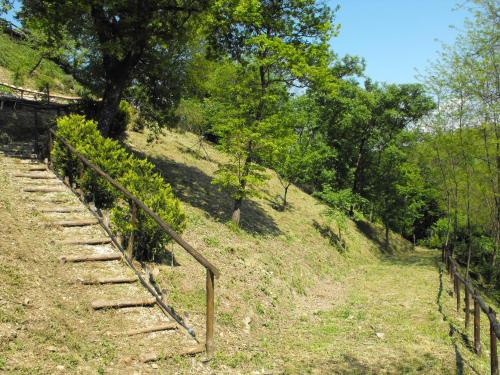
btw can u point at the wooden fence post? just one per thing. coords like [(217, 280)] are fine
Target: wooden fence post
[(35, 134), (467, 307), (493, 346), (209, 344), (133, 221), (477, 326), (50, 147)]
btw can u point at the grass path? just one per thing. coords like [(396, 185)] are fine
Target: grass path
[(397, 317)]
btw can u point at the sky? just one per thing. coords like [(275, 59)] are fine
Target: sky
[(395, 36)]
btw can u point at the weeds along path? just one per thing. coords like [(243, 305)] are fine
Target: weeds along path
[(50, 321)]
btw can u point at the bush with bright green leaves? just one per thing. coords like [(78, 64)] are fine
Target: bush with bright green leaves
[(136, 175), (149, 187)]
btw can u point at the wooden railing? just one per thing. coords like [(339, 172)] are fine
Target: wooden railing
[(479, 305), (46, 96), (211, 271)]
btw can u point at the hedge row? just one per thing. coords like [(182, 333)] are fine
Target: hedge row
[(136, 175)]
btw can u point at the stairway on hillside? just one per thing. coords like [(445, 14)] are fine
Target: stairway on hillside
[(127, 313)]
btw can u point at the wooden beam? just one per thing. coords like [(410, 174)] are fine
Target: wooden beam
[(90, 258), (118, 304), (35, 177), (37, 169), (110, 280), (161, 327), (44, 189), (61, 209), (76, 223), (188, 351), (94, 241)]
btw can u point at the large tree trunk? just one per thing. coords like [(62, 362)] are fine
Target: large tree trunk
[(109, 107), (117, 68)]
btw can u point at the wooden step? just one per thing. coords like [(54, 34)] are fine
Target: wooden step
[(94, 241), (109, 280), (187, 351), (160, 327), (118, 304), (37, 169), (34, 176), (44, 189), (77, 223), (61, 209), (89, 258)]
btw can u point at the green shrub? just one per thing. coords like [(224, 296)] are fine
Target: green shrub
[(112, 158), (149, 187), (136, 175), (75, 129)]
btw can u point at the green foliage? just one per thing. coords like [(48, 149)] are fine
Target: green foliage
[(117, 48), (136, 175), (126, 117), (460, 155), (21, 57), (150, 188), (340, 204), (271, 49)]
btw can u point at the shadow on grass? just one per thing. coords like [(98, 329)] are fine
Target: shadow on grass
[(331, 236), (377, 235), (406, 363), (193, 186), (455, 332), (414, 259)]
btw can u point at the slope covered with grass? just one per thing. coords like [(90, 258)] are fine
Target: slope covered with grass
[(18, 59), (290, 300)]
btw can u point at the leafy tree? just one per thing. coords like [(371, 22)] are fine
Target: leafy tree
[(116, 42), (275, 45), (361, 122), (340, 203), (397, 191), (465, 136), (300, 156)]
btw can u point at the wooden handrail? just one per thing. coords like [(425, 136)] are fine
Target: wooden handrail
[(22, 89), (479, 305), (212, 271), (485, 308), (176, 237)]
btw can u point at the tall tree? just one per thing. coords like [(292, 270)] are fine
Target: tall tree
[(276, 45), (361, 122), (115, 40)]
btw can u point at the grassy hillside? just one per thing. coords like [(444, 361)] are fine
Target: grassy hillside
[(290, 300), (17, 59)]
